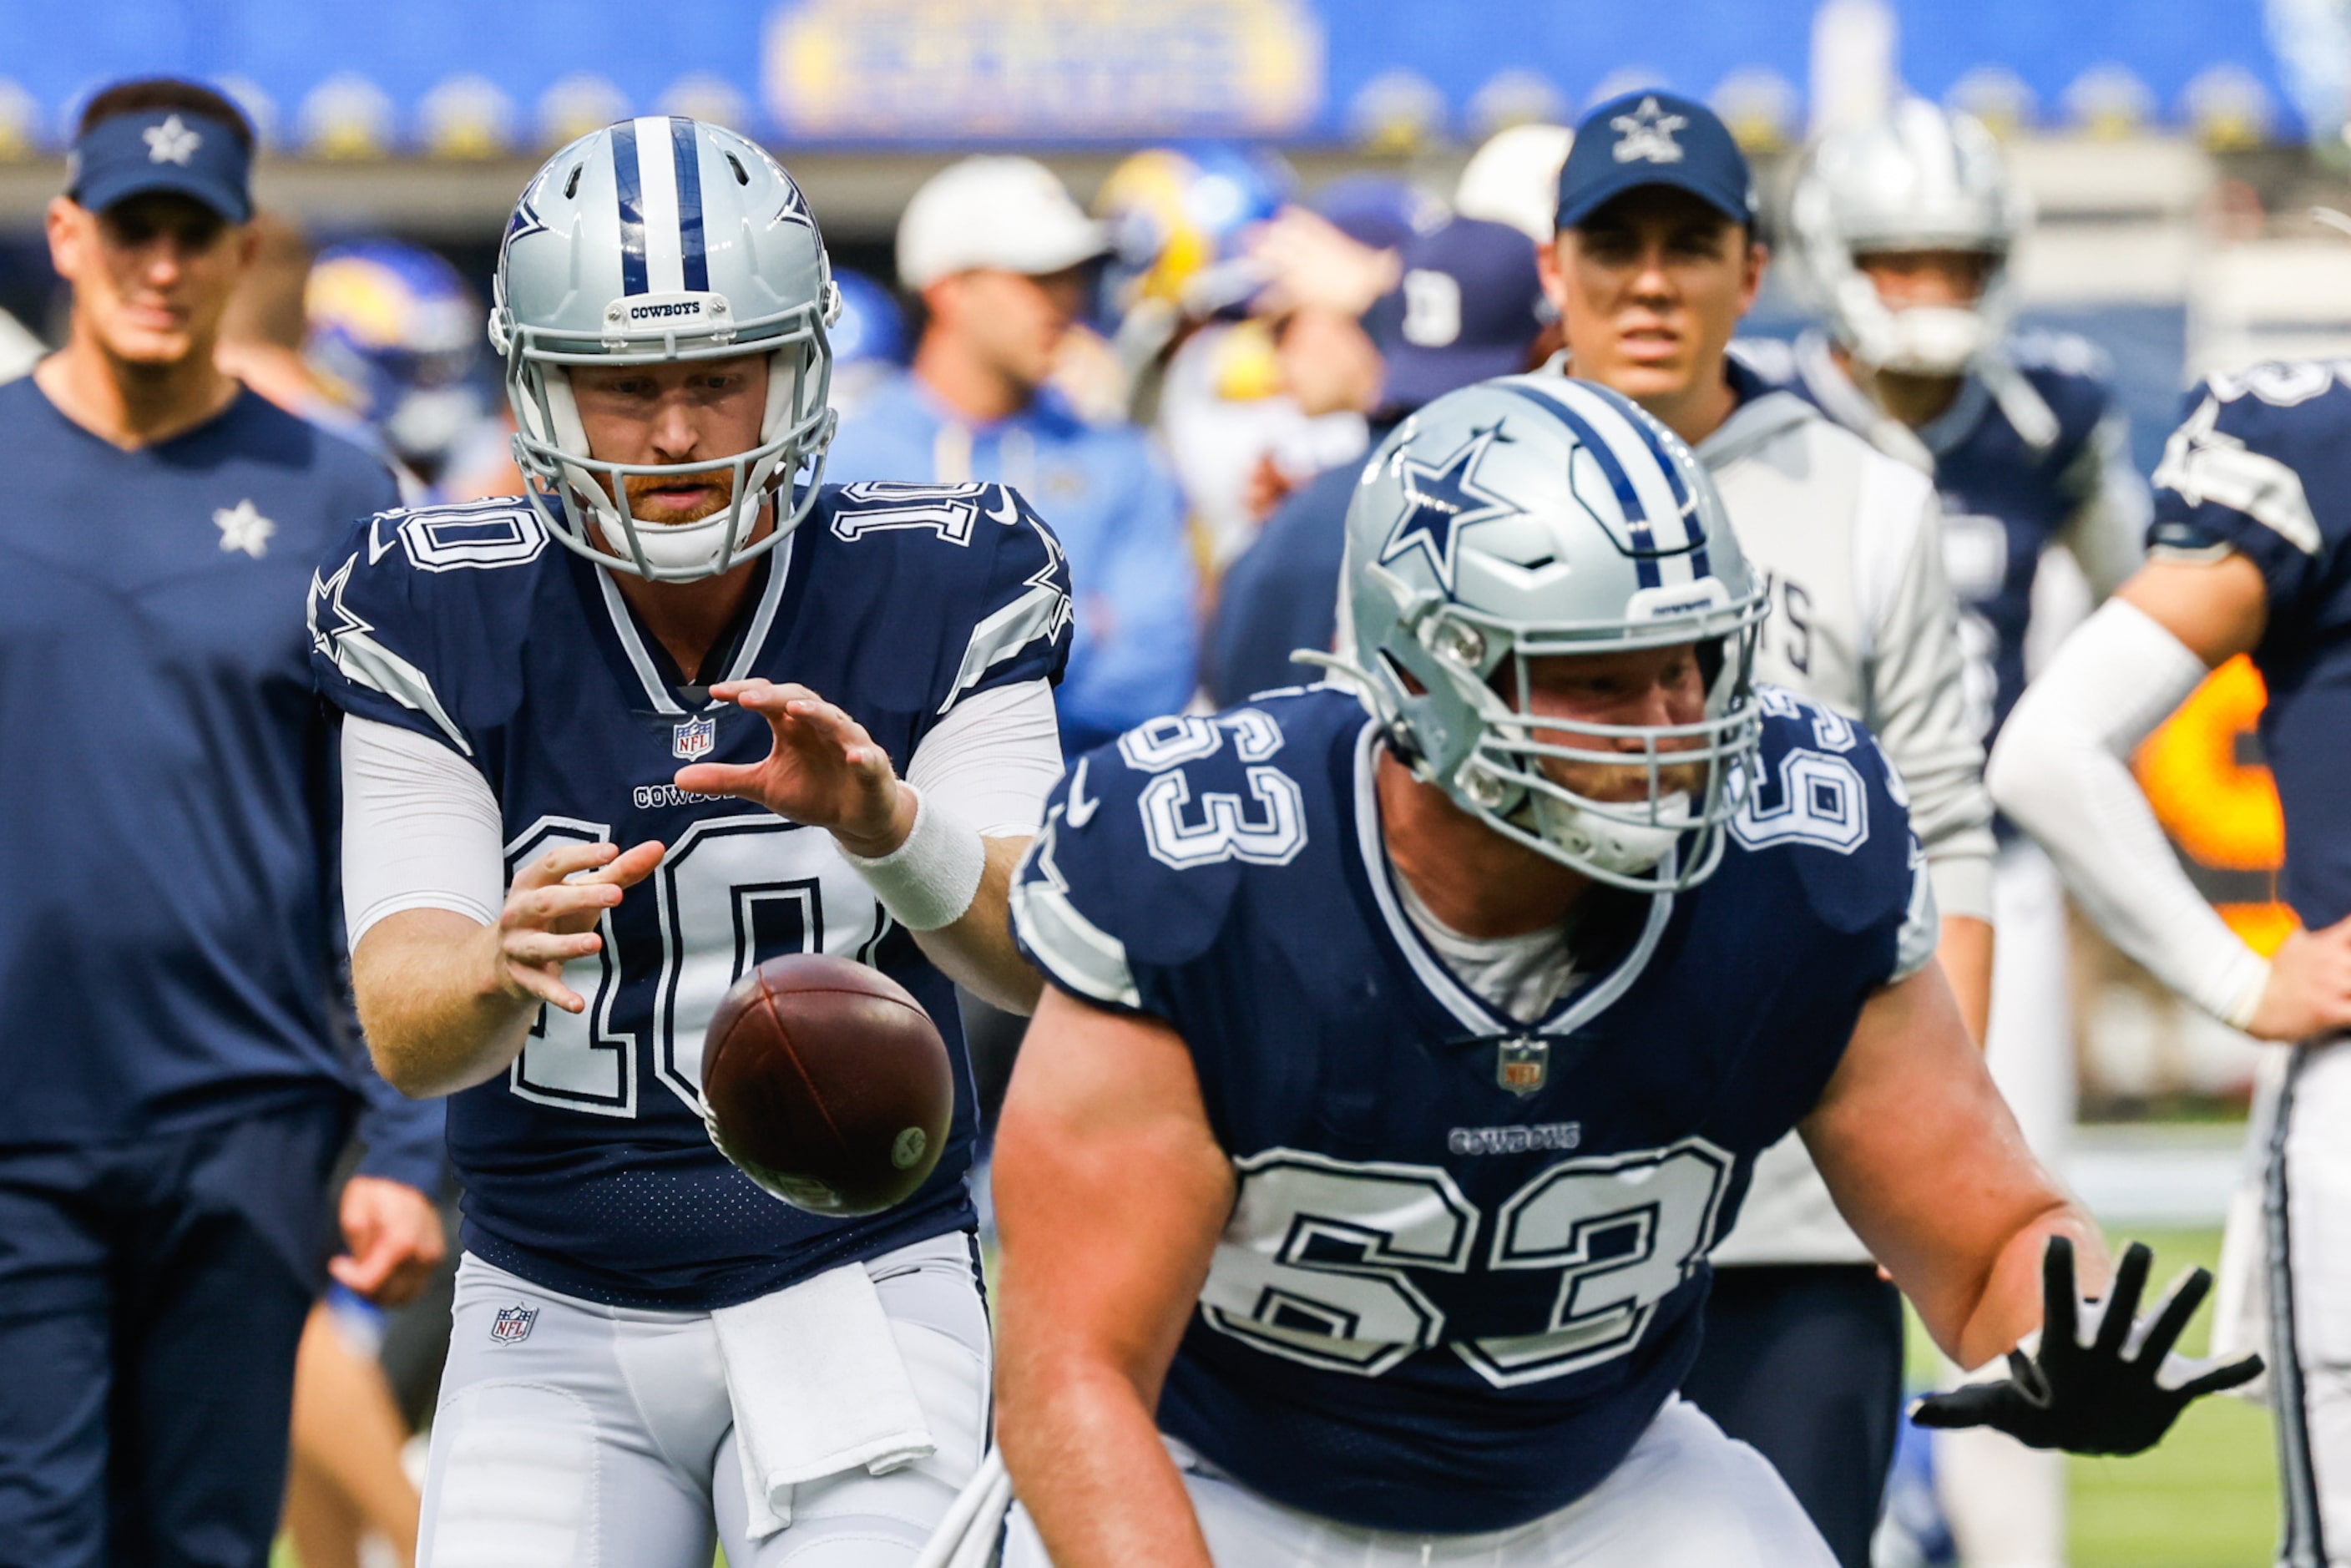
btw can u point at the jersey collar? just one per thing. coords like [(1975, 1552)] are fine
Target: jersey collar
[(1570, 1013), (747, 647)]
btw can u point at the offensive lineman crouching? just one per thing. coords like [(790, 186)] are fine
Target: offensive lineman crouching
[(1263, 1301), (647, 1351)]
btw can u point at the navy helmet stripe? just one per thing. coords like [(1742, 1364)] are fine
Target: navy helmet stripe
[(1636, 520), (1683, 500), (689, 203), (632, 208)]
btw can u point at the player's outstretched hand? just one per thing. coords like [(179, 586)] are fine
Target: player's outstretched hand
[(2116, 1392), (2309, 990), (551, 914), (824, 769)]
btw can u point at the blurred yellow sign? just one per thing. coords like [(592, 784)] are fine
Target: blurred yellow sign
[(846, 70), (2220, 808)]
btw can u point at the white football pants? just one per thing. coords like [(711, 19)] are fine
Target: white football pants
[(2006, 1502), (1686, 1497), (604, 1438), (2286, 1291)]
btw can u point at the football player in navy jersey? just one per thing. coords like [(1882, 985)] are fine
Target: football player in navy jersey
[(1905, 225), (2249, 553), (1407, 1048), (648, 1352)]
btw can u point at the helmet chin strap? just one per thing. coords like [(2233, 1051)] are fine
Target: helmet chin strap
[(1627, 849)]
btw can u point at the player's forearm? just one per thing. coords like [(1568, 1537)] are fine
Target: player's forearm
[(977, 951), (434, 1019), (2061, 772), (1965, 953), (1088, 1462), (2008, 1307)]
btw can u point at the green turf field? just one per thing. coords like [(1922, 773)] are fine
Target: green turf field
[(2206, 1498)]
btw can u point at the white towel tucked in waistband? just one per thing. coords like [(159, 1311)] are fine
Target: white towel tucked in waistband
[(818, 1387)]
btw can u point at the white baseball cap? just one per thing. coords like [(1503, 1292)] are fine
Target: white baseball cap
[(1514, 179), (1011, 213)]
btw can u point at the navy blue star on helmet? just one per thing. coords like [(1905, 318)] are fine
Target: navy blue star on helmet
[(1440, 501)]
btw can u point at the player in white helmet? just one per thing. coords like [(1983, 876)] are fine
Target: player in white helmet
[(1411, 1040), (608, 744), (1905, 226)]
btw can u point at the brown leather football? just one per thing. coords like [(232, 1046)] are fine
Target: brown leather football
[(827, 1084)]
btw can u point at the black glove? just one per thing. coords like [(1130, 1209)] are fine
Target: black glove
[(2102, 1398)]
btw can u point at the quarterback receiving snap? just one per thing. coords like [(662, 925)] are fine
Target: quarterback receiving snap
[(650, 1357)]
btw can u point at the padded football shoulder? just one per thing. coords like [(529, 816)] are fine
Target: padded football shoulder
[(1149, 844)]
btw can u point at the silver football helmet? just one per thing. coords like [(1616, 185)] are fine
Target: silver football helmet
[(1530, 516), (1921, 178), (654, 240)]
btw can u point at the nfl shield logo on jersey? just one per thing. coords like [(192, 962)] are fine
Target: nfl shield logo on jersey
[(512, 1325), (1522, 1066), (694, 738)]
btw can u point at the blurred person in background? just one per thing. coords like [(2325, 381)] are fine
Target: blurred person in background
[(1905, 226), (261, 331), (1655, 261), (1469, 306), (344, 1479), (1513, 178), (869, 340), (1186, 228), (179, 1077), (2247, 555), (393, 335), (997, 252)]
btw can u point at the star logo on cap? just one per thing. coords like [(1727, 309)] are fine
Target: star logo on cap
[(171, 142), (1440, 501), (1647, 135), (242, 527)]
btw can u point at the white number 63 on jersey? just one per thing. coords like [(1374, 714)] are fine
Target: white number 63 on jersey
[(1317, 1262)]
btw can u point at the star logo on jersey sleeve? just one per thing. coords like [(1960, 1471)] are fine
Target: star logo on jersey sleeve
[(1647, 135), (1439, 502), (242, 527), (171, 142)]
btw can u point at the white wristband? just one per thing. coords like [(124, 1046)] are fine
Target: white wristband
[(2241, 1012), (931, 879)]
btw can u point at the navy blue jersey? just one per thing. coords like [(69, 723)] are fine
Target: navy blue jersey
[(170, 948), (2006, 498), (1466, 1261), (2263, 466), (586, 1166)]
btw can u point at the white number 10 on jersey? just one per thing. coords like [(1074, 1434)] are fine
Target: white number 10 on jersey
[(731, 893)]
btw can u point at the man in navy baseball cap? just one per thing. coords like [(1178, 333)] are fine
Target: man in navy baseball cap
[(1646, 139), (189, 141), (1655, 258), (1468, 306)]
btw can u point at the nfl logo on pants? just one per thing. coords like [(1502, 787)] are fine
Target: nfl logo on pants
[(512, 1325)]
